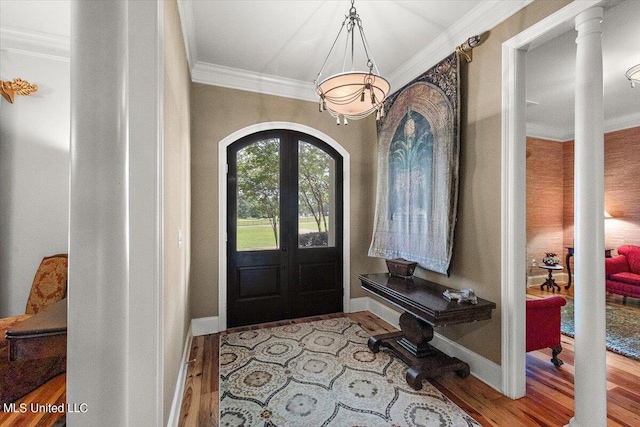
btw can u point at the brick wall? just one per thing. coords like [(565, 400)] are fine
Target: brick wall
[(544, 201), (550, 168), (621, 188)]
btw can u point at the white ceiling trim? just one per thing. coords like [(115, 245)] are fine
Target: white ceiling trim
[(480, 19), (625, 122), (567, 134), (235, 78), (549, 133), (35, 43)]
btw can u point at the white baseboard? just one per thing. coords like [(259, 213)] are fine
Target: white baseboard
[(176, 404), (482, 368), (384, 312), (358, 304), (200, 326), (533, 281), (205, 326)]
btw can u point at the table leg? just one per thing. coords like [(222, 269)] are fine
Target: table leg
[(411, 345), (566, 262), (550, 283)]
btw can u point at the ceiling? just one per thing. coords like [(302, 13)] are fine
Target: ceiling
[(278, 47), (551, 71)]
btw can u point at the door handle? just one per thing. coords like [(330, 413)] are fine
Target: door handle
[(284, 249)]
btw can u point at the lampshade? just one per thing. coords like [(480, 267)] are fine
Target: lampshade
[(356, 93), (633, 74), (353, 94)]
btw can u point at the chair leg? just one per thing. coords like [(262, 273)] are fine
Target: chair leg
[(624, 300), (555, 351)]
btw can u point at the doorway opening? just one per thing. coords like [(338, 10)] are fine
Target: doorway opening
[(284, 234), (316, 139)]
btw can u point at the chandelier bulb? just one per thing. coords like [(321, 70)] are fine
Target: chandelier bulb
[(344, 121), (338, 120)]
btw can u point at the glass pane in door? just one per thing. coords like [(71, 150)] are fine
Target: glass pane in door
[(258, 206), (316, 197)]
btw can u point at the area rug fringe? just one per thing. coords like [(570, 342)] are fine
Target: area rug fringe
[(322, 374)]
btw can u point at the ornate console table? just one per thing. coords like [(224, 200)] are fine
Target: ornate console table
[(425, 307)]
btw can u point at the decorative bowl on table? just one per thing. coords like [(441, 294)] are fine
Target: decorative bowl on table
[(401, 267), (551, 259)]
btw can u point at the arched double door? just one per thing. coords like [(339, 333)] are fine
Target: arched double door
[(285, 222)]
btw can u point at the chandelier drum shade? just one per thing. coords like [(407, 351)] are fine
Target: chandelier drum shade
[(352, 94)]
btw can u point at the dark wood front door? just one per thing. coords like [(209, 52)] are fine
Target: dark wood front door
[(284, 237)]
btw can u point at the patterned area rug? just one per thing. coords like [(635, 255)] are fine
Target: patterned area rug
[(622, 328), (322, 374)]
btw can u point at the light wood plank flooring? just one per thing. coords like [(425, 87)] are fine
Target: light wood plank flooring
[(549, 400), (52, 392)]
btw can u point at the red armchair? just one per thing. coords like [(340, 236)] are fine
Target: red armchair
[(543, 325), (623, 272)]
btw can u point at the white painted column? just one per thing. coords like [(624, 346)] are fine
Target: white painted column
[(590, 350), (114, 363), (98, 233)]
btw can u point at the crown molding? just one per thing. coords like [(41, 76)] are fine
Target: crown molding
[(35, 43), (479, 20), (568, 134), (550, 133), (620, 123), (234, 78)]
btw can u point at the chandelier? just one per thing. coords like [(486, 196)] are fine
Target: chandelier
[(352, 94), (633, 74)]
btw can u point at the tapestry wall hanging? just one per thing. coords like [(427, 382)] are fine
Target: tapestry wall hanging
[(418, 160)]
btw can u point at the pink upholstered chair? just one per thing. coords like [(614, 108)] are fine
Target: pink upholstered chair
[(543, 325), (19, 377)]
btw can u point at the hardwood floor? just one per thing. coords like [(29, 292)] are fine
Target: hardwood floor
[(52, 392), (549, 399)]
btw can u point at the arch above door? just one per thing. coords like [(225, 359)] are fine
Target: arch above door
[(222, 207)]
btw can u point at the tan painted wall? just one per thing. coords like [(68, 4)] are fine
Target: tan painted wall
[(476, 263), (218, 112), (177, 195)]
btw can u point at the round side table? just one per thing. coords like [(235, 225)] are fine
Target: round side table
[(550, 283)]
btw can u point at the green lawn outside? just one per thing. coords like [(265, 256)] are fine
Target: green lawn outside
[(258, 234), (256, 237)]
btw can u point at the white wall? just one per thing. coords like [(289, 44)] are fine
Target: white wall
[(34, 173)]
